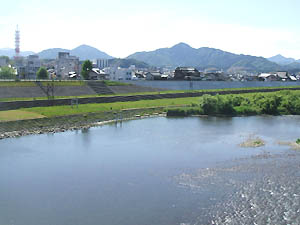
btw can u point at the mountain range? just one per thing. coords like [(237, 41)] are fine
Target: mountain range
[(84, 52), (180, 55), (10, 52), (281, 60), (202, 58)]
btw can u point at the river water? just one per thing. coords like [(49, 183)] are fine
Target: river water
[(159, 171), (199, 85)]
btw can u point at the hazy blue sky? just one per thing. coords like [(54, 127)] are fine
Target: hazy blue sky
[(121, 27)]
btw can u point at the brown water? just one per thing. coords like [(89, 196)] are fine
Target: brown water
[(154, 171)]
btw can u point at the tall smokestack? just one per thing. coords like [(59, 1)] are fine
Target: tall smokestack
[(17, 43)]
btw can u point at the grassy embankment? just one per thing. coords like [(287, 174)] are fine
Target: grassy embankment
[(274, 103), (113, 83), (56, 111), (55, 83), (13, 115), (33, 84)]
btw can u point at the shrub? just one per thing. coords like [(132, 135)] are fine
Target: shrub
[(236, 100), (298, 141), (208, 104), (176, 112), (194, 111), (270, 104), (246, 110), (225, 106), (291, 104)]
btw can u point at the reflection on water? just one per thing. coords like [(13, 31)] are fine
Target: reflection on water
[(152, 171)]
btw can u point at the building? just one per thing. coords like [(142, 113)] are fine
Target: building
[(118, 73), (66, 64), (216, 77), (33, 64), (182, 73), (3, 62), (267, 77), (102, 63), (97, 74), (282, 75), (153, 76), (28, 67)]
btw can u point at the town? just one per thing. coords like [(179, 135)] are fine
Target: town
[(68, 67)]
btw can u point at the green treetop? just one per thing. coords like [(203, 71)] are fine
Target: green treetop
[(7, 73), (42, 73), (86, 68)]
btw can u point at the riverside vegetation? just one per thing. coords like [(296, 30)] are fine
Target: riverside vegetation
[(277, 103)]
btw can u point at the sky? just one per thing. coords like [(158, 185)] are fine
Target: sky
[(123, 27)]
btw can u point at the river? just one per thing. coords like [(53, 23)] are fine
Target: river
[(154, 171)]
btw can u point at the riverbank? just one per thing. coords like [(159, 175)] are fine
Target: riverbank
[(14, 129), (54, 119)]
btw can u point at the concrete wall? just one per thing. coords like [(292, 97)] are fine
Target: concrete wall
[(34, 92)]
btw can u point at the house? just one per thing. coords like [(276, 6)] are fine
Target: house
[(73, 75), (282, 76), (153, 76), (97, 74), (293, 78), (267, 77), (140, 75), (182, 72)]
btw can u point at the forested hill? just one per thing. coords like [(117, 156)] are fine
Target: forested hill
[(184, 55)]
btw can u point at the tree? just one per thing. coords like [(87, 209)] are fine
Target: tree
[(6, 58), (7, 73), (86, 68), (42, 73)]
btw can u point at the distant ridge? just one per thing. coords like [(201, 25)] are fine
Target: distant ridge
[(84, 52), (51, 53), (126, 63), (184, 55), (179, 55), (281, 60), (10, 52)]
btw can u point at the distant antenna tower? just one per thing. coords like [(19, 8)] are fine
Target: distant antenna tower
[(17, 42)]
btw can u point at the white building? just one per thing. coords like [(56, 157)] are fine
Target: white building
[(102, 63), (118, 73), (66, 64)]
